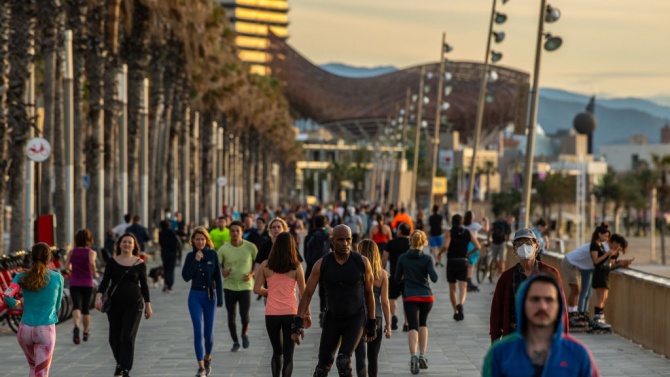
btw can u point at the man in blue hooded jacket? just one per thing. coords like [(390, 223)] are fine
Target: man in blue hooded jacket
[(539, 347)]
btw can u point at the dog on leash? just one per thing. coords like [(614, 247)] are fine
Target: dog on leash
[(157, 274)]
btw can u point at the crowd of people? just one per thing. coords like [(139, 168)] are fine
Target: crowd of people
[(345, 254)]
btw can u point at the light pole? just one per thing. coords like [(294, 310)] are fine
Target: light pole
[(548, 14), (498, 18), (415, 172), (439, 106)]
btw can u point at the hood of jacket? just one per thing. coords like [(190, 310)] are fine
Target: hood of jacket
[(521, 298)]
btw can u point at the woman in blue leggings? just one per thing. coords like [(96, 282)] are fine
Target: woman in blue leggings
[(202, 269)]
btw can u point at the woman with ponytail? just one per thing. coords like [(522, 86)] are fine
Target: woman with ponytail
[(42, 295)]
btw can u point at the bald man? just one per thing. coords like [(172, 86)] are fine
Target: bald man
[(347, 278)]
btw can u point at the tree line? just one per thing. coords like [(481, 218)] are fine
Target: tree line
[(186, 50)]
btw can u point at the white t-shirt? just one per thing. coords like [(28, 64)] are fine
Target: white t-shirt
[(581, 256), (474, 227)]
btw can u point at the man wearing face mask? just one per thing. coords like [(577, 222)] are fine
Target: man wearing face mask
[(503, 319)]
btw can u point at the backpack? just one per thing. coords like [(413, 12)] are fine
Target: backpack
[(317, 246), (498, 233)]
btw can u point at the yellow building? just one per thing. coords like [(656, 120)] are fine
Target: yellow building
[(252, 20)]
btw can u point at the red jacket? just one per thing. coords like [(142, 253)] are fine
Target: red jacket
[(500, 311)]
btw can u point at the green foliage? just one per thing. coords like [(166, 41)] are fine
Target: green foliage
[(506, 202)]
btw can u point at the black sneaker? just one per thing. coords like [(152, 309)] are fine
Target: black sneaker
[(405, 328), (208, 366), (236, 347), (201, 372), (245, 341), (459, 316), (394, 323), (75, 336), (126, 373), (118, 372)]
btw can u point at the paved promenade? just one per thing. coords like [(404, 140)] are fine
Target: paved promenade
[(164, 345)]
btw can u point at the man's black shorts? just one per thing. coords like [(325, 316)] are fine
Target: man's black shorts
[(457, 270), (395, 289)]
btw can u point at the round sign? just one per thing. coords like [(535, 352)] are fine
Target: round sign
[(38, 149), (221, 181), (257, 187)]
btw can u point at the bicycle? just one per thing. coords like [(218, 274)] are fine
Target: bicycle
[(486, 267)]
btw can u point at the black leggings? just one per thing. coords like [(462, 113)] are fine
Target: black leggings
[(343, 332), (417, 313), (232, 298), (124, 320), (81, 298), (169, 263), (373, 353), (279, 331)]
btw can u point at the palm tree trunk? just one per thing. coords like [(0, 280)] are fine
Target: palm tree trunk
[(5, 15), (157, 133), (58, 146), (47, 14), (77, 11), (136, 50), (96, 74), (112, 176), (21, 42)]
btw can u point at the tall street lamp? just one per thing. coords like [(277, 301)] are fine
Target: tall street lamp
[(497, 18), (552, 43), (415, 173), (439, 106)]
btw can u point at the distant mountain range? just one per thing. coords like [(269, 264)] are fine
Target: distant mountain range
[(618, 118)]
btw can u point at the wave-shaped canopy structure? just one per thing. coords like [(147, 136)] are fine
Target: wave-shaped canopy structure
[(358, 108)]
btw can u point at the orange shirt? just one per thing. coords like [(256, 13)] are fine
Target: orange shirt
[(403, 218)]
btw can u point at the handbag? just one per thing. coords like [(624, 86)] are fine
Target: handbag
[(107, 296)]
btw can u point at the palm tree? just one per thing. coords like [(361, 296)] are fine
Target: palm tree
[(4, 121), (48, 15), (489, 168), (607, 190), (76, 21), (21, 42)]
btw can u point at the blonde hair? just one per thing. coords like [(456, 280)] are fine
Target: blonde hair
[(418, 240), (368, 249), (279, 220), (204, 232)]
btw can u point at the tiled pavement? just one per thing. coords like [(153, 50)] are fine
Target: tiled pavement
[(164, 345)]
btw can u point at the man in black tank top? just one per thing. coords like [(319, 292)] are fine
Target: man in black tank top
[(348, 281)]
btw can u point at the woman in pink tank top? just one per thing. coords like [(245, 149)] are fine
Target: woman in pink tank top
[(283, 273), (81, 263)]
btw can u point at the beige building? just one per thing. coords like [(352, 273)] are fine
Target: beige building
[(252, 20)]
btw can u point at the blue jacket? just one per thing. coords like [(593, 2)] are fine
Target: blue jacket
[(567, 356), (204, 274)]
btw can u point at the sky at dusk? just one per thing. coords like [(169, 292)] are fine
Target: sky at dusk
[(612, 48)]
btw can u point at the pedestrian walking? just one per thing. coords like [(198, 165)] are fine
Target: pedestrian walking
[(380, 232), (348, 281), (202, 269), (392, 251), (414, 269), (436, 239), (283, 273), (126, 277), (237, 263), (368, 249), (140, 232), (317, 245), (456, 243), (539, 345), (170, 248), (475, 227), (41, 301), (504, 317), (81, 262)]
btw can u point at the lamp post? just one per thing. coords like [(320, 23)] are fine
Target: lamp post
[(439, 106), (415, 173), (498, 18), (552, 43)]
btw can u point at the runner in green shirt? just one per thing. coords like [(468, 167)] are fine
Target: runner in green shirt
[(221, 234), (237, 260)]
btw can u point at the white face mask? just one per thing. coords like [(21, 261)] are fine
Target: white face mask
[(525, 251)]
